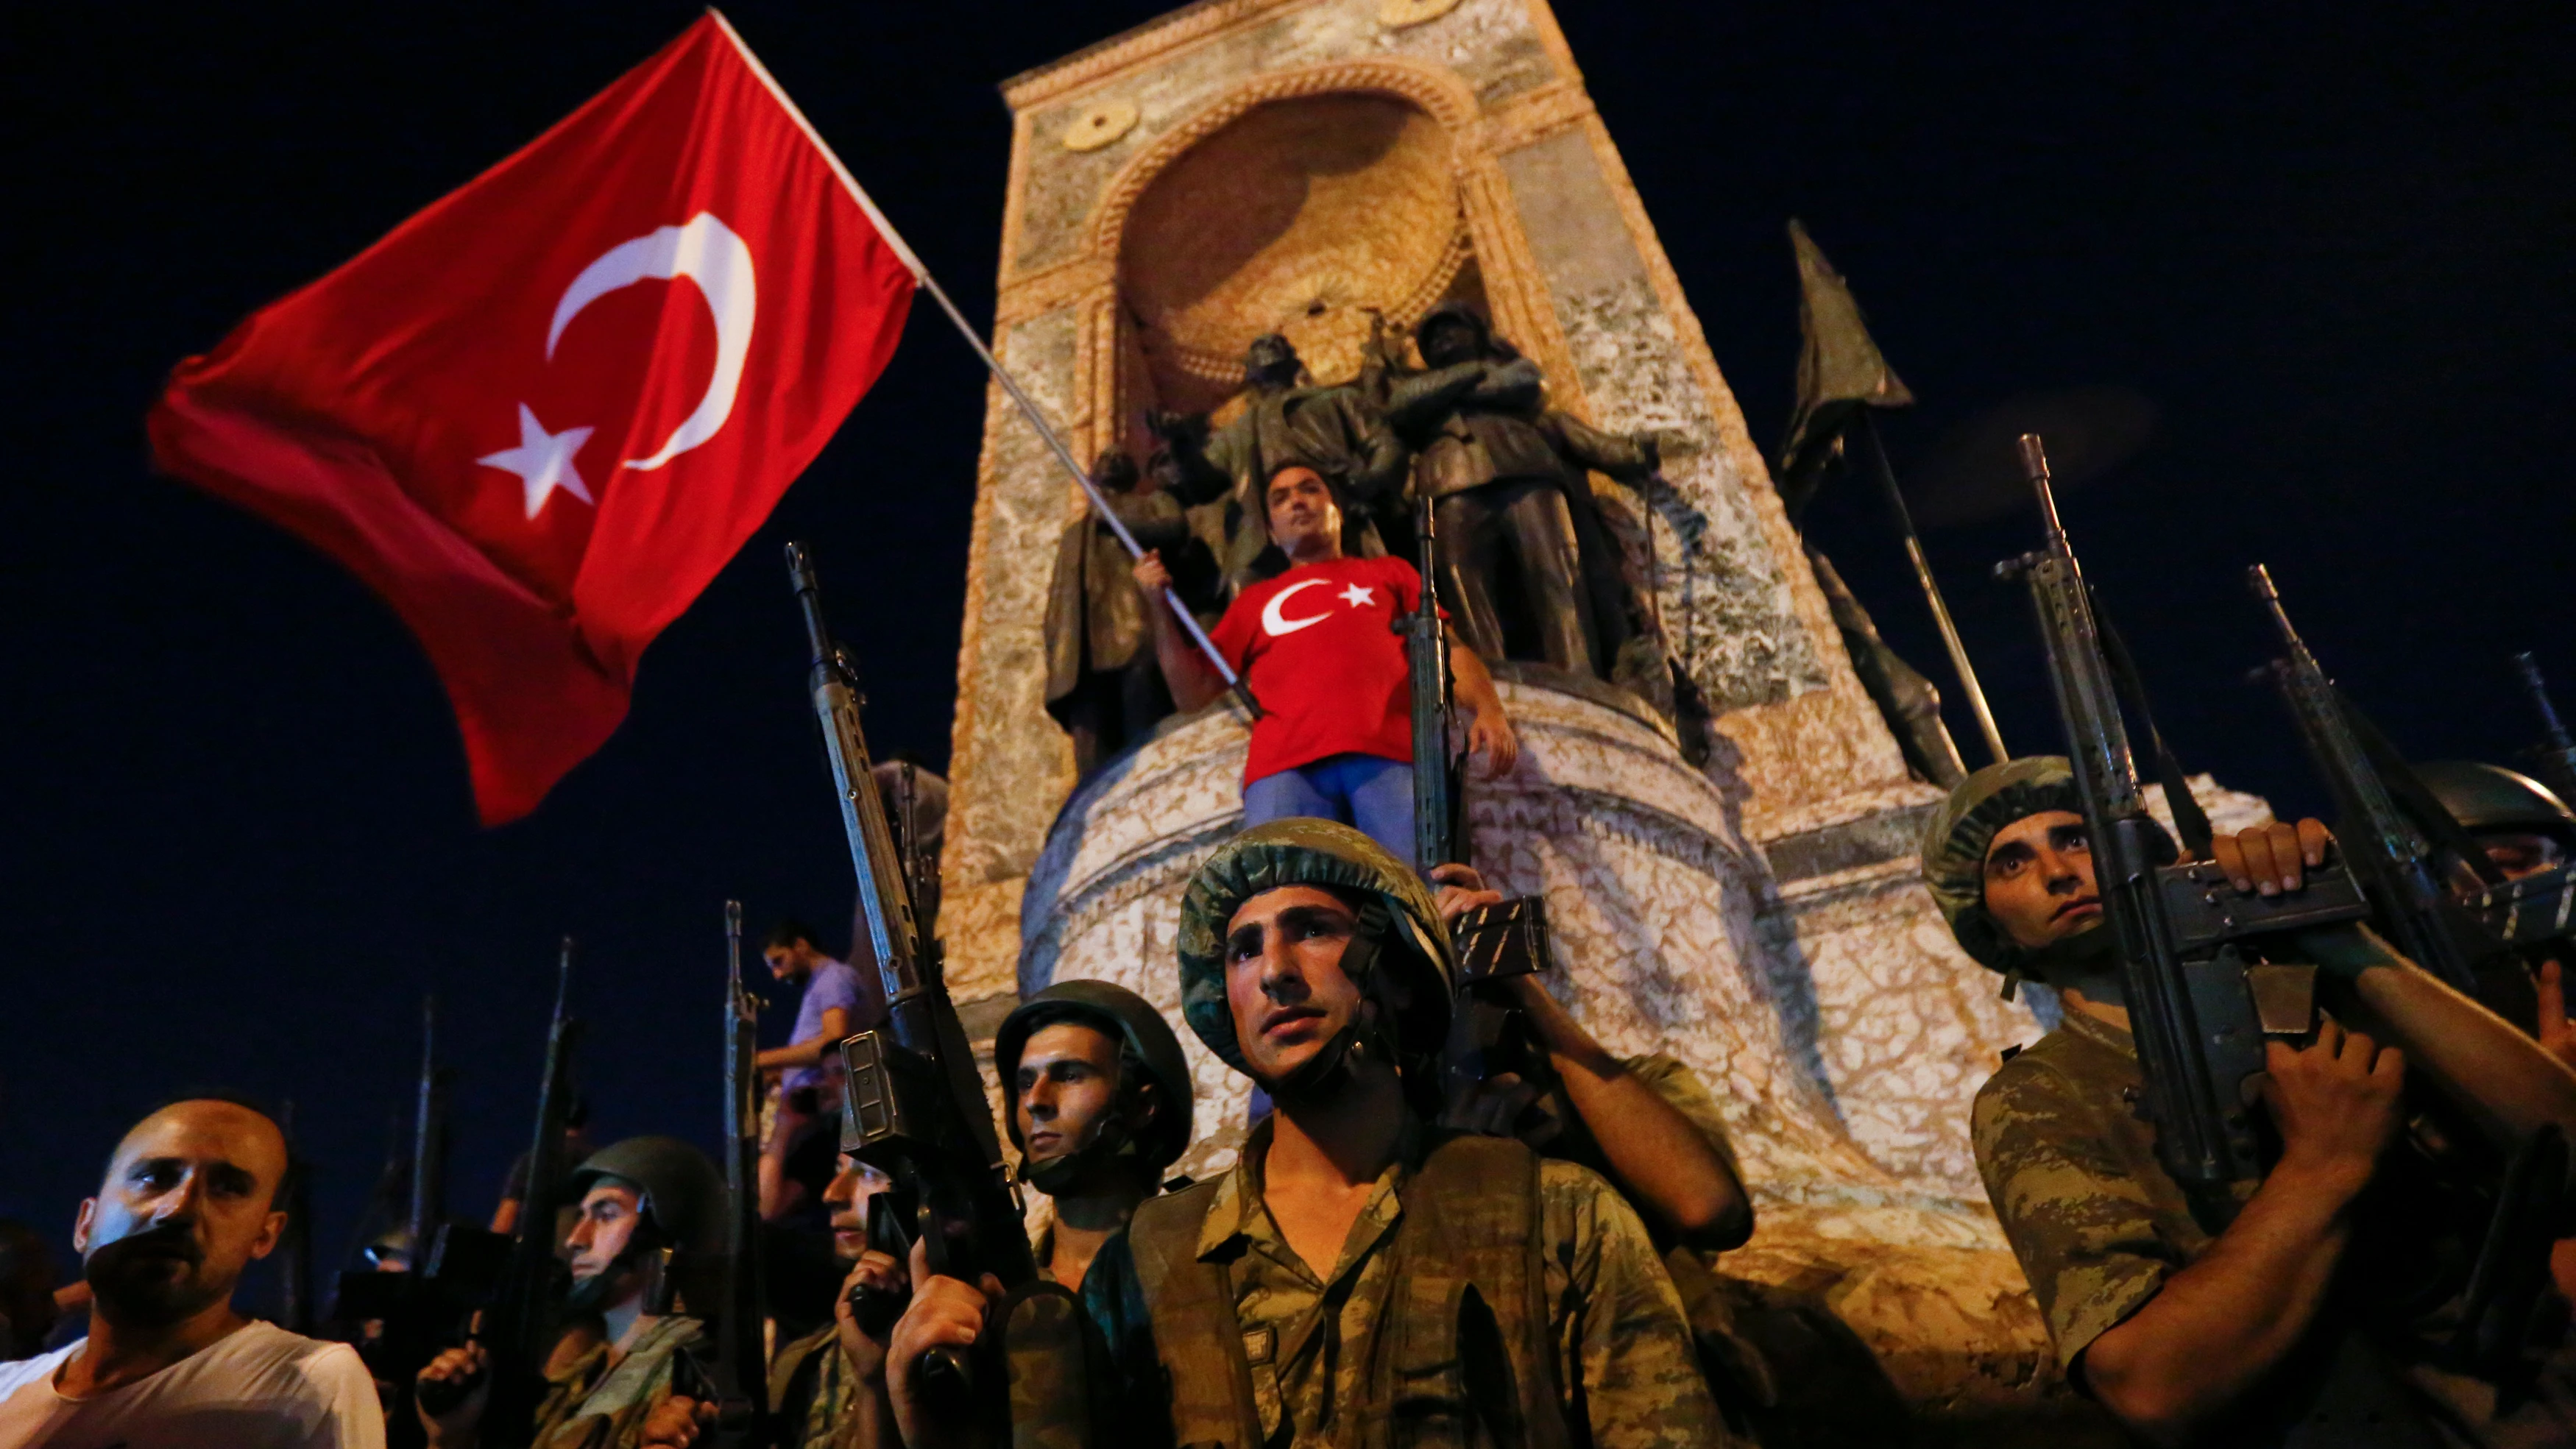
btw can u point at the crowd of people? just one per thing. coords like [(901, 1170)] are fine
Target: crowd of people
[(1403, 1252), (1395, 1256)]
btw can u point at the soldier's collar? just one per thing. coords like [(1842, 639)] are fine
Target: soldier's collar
[(1224, 1220), (1241, 1189), (2094, 1029)]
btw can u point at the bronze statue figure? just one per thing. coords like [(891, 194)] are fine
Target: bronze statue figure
[(1102, 683), (1529, 568), (1333, 430)]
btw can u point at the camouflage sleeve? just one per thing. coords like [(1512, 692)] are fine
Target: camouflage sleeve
[(2078, 1219), (1625, 1360)]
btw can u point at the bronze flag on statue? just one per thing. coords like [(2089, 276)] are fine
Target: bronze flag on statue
[(1839, 370)]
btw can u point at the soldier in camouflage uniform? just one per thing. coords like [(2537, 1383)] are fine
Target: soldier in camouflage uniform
[(2182, 1332), (828, 1387), (637, 1197), (1096, 1097), (1360, 1277)]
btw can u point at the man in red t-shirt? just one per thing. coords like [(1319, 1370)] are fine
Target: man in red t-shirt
[(1319, 649)]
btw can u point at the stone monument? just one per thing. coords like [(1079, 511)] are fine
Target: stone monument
[(1332, 170)]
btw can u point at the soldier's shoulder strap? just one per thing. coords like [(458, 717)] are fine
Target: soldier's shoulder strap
[(1473, 1219), (1189, 1303)]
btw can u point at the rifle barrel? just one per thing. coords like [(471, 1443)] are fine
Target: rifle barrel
[(426, 1189), (2538, 688)]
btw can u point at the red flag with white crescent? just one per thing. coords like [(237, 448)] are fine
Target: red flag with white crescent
[(540, 415)]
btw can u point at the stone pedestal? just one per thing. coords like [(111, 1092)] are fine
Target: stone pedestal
[(1840, 1030)]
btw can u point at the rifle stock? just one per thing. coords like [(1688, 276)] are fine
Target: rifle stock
[(913, 1103)]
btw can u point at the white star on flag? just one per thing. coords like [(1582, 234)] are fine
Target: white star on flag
[(1358, 594), (543, 461)]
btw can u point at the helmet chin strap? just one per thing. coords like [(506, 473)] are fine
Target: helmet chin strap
[(2088, 962), (1365, 1036), (599, 1290), (1109, 1141)]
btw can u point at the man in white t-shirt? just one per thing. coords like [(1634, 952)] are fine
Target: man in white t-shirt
[(188, 1201)]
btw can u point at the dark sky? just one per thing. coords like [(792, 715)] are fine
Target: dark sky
[(2331, 243)]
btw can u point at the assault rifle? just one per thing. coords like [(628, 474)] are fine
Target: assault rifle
[(2386, 841), (913, 1104), (1436, 772), (734, 1374), (520, 1322), (2200, 1009), (2554, 758), (415, 1319)]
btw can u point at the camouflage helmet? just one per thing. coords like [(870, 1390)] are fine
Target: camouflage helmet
[(1128, 1016), (2490, 797), (682, 1191), (1957, 837), (1334, 857)]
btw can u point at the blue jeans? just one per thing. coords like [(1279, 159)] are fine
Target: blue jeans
[(1364, 791)]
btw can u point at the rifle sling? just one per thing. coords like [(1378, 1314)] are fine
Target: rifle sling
[(2190, 821)]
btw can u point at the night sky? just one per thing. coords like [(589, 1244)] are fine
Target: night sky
[(2330, 244)]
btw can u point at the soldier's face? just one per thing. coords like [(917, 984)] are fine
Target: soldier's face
[(2039, 879), (1068, 1088), (610, 1212), (185, 1206), (848, 1195), (1303, 515), (790, 962), (1283, 976)]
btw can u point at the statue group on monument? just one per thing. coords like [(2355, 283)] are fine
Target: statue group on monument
[(1528, 568)]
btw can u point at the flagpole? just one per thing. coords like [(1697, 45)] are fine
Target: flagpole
[(1055, 444), (1019, 396), (1877, 450)]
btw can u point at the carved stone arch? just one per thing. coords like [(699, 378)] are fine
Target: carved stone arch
[(1439, 93), (1424, 246)]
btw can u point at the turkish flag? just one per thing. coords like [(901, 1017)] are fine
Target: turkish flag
[(541, 414)]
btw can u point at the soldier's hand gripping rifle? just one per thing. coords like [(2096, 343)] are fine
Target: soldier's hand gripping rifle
[(1489, 1033), (2199, 1008), (2386, 841), (1436, 772), (520, 1324), (914, 1106)]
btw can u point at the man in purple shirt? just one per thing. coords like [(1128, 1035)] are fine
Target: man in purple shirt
[(796, 1158)]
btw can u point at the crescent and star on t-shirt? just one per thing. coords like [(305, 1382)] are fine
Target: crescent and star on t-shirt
[(1318, 647)]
